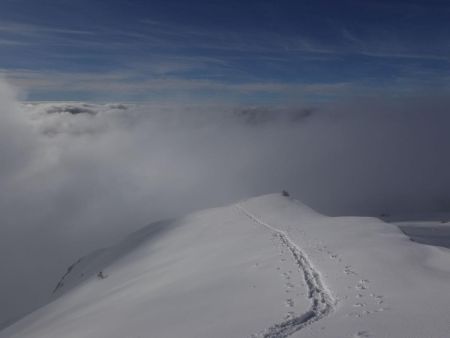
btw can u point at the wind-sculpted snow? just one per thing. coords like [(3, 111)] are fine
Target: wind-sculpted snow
[(322, 302), (432, 232)]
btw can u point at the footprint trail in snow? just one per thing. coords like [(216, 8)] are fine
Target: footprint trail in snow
[(322, 302)]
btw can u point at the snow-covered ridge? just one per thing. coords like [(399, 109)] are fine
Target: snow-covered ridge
[(265, 267)]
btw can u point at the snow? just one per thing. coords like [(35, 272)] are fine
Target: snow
[(430, 231), (265, 267)]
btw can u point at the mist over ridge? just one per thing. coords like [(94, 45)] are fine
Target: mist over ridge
[(78, 176)]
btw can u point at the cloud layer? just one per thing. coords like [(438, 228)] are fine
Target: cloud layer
[(78, 176)]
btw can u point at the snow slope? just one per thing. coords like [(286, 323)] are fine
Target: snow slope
[(265, 267), (428, 229)]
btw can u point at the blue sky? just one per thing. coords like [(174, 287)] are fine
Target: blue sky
[(233, 51)]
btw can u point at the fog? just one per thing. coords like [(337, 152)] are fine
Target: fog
[(75, 177)]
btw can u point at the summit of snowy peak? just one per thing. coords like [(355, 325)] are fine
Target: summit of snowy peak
[(280, 203)]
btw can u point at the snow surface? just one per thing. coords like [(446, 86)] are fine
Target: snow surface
[(264, 267), (432, 229)]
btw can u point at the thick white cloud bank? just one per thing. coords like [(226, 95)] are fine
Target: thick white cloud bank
[(76, 176)]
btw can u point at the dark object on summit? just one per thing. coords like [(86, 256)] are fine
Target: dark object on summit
[(285, 193), (100, 275)]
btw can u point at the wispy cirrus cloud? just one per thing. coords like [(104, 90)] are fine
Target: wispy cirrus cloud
[(174, 37), (157, 53), (20, 28), (158, 87), (172, 79)]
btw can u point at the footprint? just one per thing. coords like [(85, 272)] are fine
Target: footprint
[(289, 302), (359, 305), (381, 309), (289, 315), (348, 270), (362, 284), (353, 314), (378, 298)]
